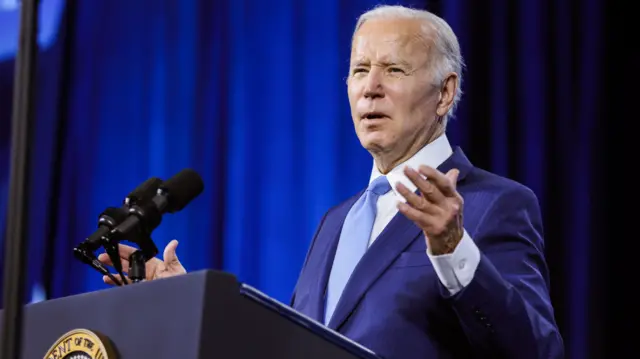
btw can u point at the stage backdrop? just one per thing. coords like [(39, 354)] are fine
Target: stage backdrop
[(251, 94)]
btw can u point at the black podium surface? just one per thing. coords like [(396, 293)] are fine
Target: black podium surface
[(205, 314)]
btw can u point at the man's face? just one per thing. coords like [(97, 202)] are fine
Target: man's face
[(391, 94)]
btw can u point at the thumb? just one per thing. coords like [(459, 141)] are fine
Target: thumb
[(169, 254)]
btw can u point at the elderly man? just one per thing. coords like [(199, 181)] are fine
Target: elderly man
[(435, 258)]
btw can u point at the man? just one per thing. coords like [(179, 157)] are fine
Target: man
[(436, 258)]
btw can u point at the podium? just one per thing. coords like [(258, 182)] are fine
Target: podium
[(204, 314)]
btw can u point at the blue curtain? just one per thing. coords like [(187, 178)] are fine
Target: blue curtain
[(251, 94)]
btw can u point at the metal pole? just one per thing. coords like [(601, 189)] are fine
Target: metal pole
[(16, 240)]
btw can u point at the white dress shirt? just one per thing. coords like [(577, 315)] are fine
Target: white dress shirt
[(455, 270)]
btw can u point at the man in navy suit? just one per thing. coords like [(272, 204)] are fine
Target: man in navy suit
[(435, 258), (453, 262)]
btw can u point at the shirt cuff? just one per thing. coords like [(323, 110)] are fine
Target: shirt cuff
[(456, 270)]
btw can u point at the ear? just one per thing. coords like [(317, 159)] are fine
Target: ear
[(447, 94)]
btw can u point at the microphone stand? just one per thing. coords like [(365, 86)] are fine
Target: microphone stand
[(137, 266), (16, 240), (82, 253), (111, 247), (137, 259)]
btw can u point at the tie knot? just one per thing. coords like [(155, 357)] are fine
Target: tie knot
[(380, 186)]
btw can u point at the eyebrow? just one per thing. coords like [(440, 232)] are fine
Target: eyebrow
[(383, 62), (395, 62)]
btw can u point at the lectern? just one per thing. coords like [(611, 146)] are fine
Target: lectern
[(205, 314)]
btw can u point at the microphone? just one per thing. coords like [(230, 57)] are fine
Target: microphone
[(109, 219), (113, 216), (172, 196)]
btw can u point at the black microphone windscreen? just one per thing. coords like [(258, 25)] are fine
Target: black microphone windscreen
[(182, 189), (145, 191)]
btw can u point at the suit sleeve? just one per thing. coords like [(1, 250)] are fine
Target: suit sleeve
[(506, 310)]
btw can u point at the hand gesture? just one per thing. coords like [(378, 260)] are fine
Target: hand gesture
[(437, 209), (154, 269)]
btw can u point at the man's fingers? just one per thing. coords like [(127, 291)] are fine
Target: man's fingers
[(416, 201), (125, 251), (452, 175), (170, 257), (428, 189), (439, 179), (413, 214), (109, 281), (105, 259)]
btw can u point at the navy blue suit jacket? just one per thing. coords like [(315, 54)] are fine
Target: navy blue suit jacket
[(395, 305)]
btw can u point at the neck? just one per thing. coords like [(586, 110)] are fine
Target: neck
[(386, 161)]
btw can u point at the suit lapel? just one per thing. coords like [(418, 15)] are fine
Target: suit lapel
[(393, 240), (322, 260), (398, 234)]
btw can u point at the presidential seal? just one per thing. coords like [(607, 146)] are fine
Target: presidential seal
[(81, 344)]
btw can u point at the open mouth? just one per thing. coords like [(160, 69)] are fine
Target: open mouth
[(373, 115)]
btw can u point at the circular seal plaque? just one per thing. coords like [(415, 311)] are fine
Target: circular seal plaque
[(81, 344)]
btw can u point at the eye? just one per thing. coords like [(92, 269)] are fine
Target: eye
[(396, 70), (358, 70)]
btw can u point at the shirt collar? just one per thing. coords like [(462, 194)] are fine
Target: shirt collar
[(433, 155)]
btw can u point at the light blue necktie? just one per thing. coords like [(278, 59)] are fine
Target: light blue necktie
[(354, 241)]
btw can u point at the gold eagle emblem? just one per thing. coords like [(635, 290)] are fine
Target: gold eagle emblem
[(81, 344)]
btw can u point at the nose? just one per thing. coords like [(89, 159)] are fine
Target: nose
[(373, 86)]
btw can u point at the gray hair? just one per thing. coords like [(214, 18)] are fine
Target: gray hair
[(445, 40)]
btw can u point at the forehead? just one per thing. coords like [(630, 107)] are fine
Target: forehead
[(387, 39)]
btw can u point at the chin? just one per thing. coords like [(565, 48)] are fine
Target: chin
[(375, 142)]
